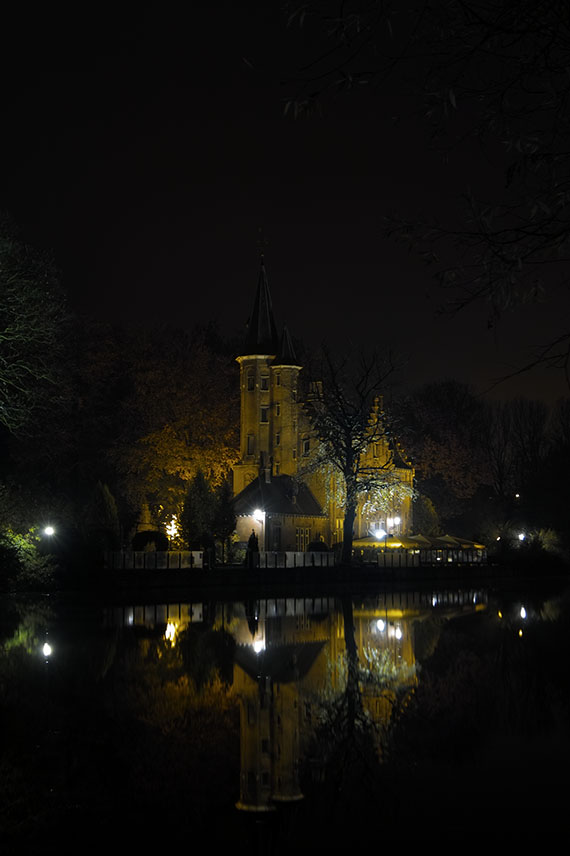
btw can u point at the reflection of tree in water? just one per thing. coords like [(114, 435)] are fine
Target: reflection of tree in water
[(344, 779)]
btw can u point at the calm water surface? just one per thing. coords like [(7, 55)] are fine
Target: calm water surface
[(281, 723)]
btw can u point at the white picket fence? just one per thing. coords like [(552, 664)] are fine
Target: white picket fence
[(293, 559), (154, 560), (165, 560)]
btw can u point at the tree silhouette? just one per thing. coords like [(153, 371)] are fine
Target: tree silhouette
[(343, 408)]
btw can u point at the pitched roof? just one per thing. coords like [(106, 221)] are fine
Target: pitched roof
[(281, 495), (284, 663), (261, 336)]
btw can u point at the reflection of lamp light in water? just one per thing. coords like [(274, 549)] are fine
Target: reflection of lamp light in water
[(170, 632), (381, 625)]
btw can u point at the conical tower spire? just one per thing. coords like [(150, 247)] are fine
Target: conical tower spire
[(261, 337), (286, 354)]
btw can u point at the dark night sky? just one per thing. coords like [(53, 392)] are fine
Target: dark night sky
[(146, 154)]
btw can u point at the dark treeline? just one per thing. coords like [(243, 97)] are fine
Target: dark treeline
[(100, 423), (488, 469), (137, 414)]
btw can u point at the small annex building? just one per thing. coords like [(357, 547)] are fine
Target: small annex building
[(276, 494)]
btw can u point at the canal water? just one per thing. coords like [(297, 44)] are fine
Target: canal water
[(281, 722)]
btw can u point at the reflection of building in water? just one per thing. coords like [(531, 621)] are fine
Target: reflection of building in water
[(290, 659)]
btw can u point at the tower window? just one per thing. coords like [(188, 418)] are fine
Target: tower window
[(306, 446), (278, 410), (278, 439), (250, 444), (264, 382), (278, 379), (250, 381), (264, 414)]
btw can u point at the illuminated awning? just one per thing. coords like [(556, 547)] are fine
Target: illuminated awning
[(390, 541)]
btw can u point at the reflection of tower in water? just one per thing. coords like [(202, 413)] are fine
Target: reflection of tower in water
[(268, 685)]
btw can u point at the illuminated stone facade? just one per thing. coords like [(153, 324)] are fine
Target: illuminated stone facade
[(275, 493)]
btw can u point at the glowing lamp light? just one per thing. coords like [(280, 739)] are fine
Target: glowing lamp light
[(49, 530), (259, 515), (523, 612), (47, 650), (381, 625), (173, 529), (398, 633), (259, 646), (380, 534), (522, 536)]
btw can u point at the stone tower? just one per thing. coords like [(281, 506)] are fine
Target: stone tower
[(268, 396)]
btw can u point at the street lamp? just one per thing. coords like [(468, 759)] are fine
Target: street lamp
[(259, 515), (49, 531)]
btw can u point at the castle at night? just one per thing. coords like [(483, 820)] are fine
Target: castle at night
[(289, 503)]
